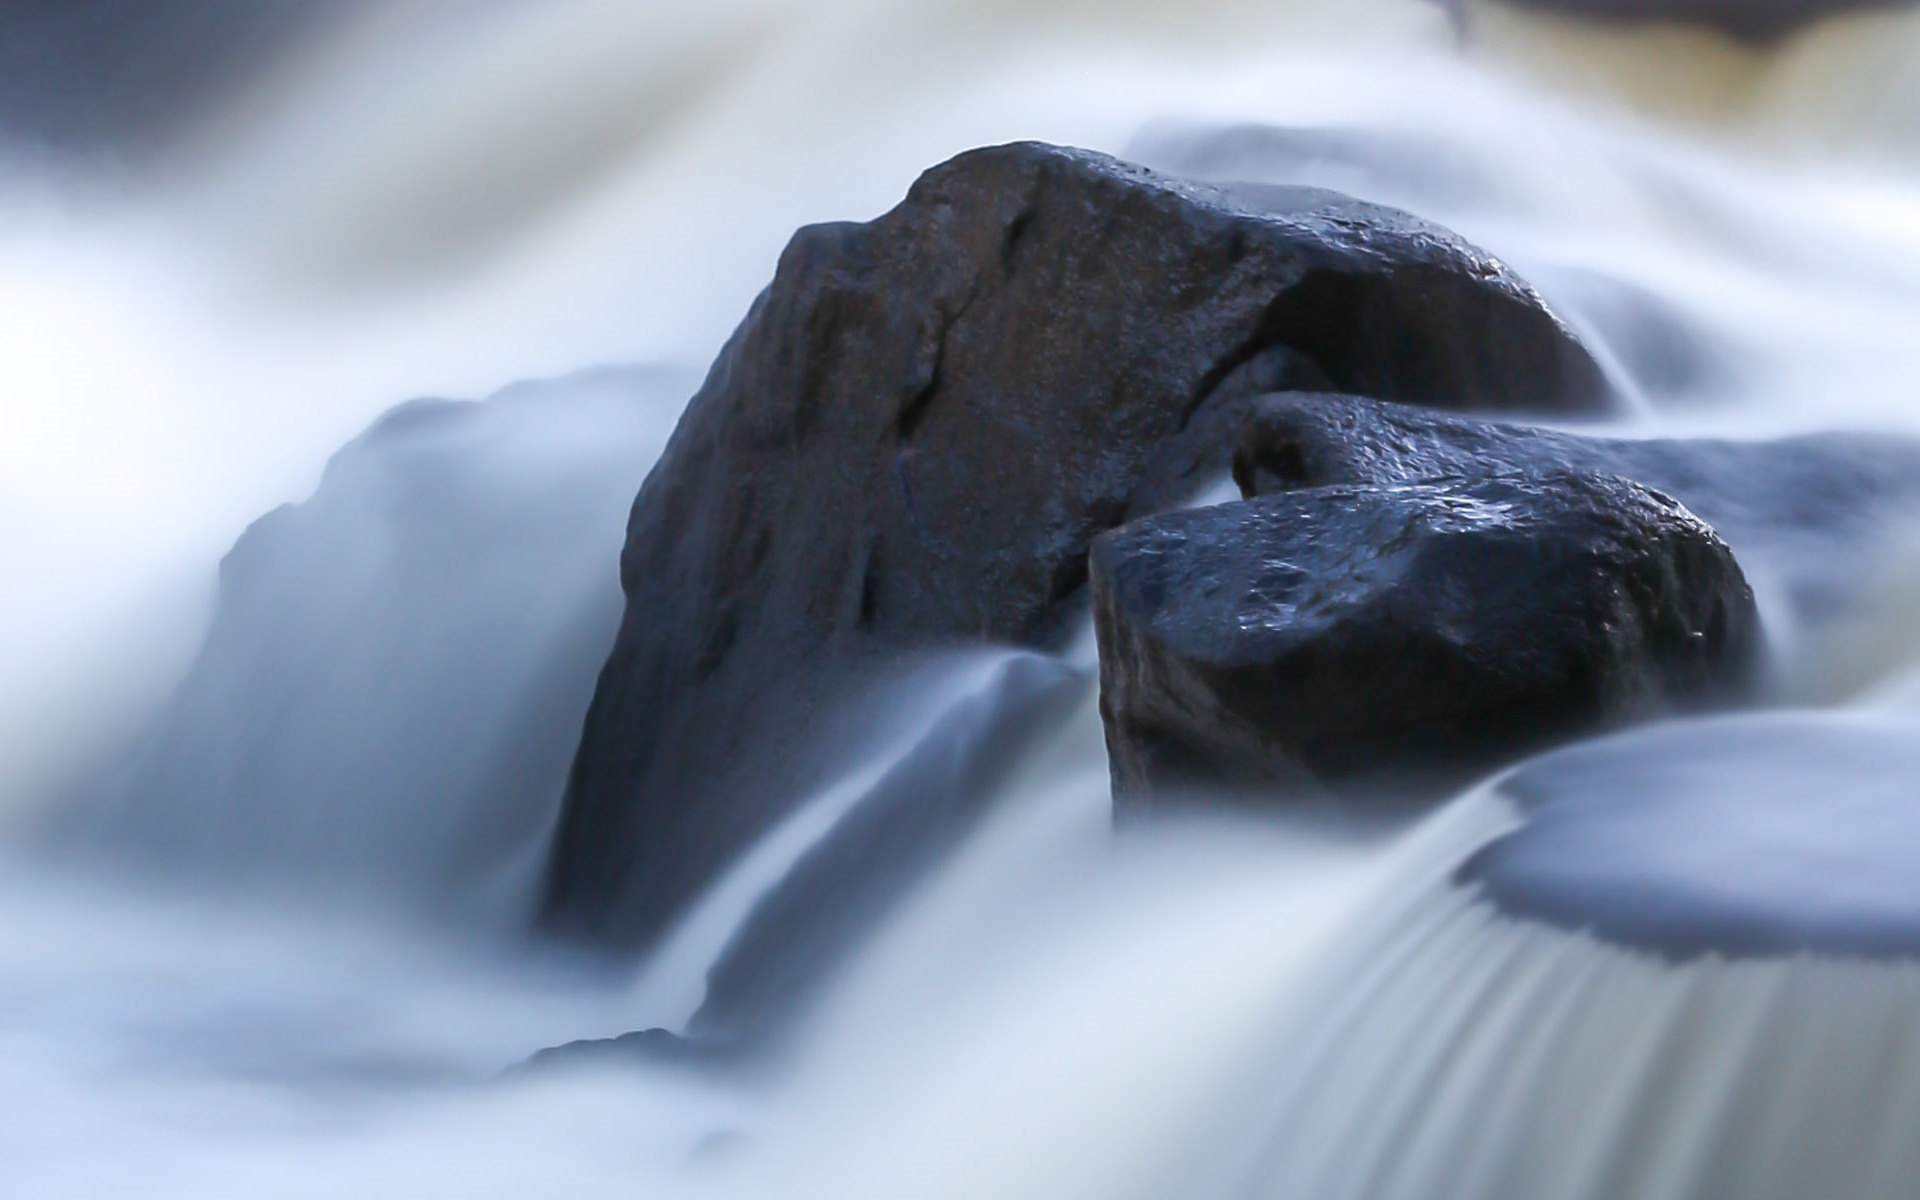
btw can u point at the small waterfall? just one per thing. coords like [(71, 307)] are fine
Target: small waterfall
[(948, 711), (431, 197), (1470, 1055)]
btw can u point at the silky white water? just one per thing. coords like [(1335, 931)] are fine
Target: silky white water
[(442, 198)]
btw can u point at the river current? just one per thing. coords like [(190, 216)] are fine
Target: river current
[(319, 982)]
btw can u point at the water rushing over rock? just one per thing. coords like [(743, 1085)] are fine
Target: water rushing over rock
[(1465, 1054), (938, 968), (396, 669)]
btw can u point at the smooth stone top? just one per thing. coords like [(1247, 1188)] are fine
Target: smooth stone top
[(1756, 835), (1391, 641)]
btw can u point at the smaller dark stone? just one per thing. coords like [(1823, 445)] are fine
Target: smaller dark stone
[(1747, 836), (1386, 641), (1811, 515)]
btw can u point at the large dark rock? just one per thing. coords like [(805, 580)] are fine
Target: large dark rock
[(1384, 640), (922, 424), (1811, 516), (1748, 20), (1754, 835)]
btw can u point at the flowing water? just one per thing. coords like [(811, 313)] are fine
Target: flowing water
[(300, 967)]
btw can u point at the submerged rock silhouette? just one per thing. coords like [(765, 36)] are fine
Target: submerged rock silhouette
[(1760, 835), (391, 686), (923, 423)]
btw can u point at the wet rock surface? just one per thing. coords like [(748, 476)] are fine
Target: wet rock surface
[(1812, 514), (1382, 640), (1757, 835), (921, 426)]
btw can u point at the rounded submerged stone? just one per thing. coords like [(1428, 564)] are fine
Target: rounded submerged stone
[(1746, 836)]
